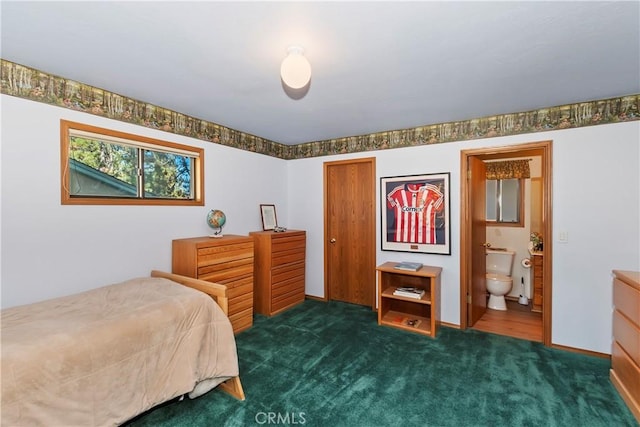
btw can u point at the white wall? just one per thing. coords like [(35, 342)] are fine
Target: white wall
[(50, 250), (596, 200)]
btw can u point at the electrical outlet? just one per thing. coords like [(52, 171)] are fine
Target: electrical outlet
[(563, 237)]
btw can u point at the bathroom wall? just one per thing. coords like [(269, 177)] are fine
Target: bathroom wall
[(517, 238)]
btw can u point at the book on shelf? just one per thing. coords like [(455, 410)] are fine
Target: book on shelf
[(409, 266), (409, 292)]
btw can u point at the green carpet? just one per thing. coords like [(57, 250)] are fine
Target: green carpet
[(330, 364)]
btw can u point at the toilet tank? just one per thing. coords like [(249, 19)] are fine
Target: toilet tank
[(500, 262)]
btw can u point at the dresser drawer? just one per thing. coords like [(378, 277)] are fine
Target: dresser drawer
[(627, 371), (537, 299), (286, 301), (288, 249), (241, 320), (537, 283), (295, 284), (240, 303), (626, 299), (285, 242), (239, 287), (227, 272), (287, 271), (223, 254), (627, 335)]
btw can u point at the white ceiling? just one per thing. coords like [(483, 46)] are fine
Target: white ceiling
[(377, 66)]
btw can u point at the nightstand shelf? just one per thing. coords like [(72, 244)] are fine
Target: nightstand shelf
[(404, 312)]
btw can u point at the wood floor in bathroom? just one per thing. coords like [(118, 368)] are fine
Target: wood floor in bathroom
[(518, 322)]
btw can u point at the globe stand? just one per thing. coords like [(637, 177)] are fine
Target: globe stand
[(217, 233)]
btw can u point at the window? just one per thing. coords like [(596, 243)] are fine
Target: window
[(505, 202), (106, 167)]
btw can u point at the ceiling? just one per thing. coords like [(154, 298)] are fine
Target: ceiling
[(377, 66)]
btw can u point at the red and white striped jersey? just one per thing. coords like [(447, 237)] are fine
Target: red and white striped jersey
[(415, 207)]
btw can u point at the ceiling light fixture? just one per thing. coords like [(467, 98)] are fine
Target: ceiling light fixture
[(295, 69)]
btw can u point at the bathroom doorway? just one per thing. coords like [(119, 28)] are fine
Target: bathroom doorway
[(517, 321)]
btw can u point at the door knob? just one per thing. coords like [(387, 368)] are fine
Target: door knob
[(486, 245), (333, 240)]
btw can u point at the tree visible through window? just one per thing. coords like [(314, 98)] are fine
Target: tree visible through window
[(102, 166)]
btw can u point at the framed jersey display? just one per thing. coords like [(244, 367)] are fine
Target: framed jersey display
[(415, 213)]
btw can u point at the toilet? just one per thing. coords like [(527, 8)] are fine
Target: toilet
[(499, 281)]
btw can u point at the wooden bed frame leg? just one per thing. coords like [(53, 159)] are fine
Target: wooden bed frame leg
[(233, 386)]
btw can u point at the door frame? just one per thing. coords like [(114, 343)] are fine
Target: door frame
[(325, 195), (540, 148)]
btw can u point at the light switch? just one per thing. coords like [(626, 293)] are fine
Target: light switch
[(563, 237)]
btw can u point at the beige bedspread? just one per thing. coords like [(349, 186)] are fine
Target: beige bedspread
[(103, 356)]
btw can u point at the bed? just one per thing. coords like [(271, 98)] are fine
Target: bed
[(103, 356)]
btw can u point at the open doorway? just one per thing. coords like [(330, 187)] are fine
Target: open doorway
[(473, 240)]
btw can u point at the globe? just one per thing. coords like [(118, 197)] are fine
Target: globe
[(216, 220)]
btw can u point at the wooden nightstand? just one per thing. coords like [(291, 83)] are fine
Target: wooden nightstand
[(416, 315)]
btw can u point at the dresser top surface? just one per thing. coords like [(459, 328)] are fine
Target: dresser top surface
[(279, 233), (208, 239), (630, 277), (424, 271)]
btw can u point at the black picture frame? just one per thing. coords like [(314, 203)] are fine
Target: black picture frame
[(415, 213), (269, 218)]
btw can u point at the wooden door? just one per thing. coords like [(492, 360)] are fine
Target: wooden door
[(350, 231), (477, 301)]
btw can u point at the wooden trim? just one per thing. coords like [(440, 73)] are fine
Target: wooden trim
[(450, 325), (66, 199), (540, 148), (216, 291), (315, 298), (581, 351)]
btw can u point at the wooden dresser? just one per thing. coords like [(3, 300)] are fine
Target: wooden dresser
[(279, 266), (227, 260), (625, 350)]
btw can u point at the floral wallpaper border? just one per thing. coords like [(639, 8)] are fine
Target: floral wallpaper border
[(24, 82)]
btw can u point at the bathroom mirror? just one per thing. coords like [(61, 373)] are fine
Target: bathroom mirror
[(505, 202)]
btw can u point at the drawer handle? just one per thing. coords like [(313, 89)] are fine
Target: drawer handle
[(332, 240)]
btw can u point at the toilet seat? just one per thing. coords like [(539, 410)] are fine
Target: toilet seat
[(499, 277)]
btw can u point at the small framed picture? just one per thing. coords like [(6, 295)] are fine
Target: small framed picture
[(269, 219)]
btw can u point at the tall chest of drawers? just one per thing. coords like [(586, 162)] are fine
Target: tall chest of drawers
[(625, 350), (227, 260), (279, 270)]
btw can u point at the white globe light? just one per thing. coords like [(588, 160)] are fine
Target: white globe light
[(295, 69)]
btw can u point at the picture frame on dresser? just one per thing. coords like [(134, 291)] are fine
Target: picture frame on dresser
[(269, 218), (415, 213)]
